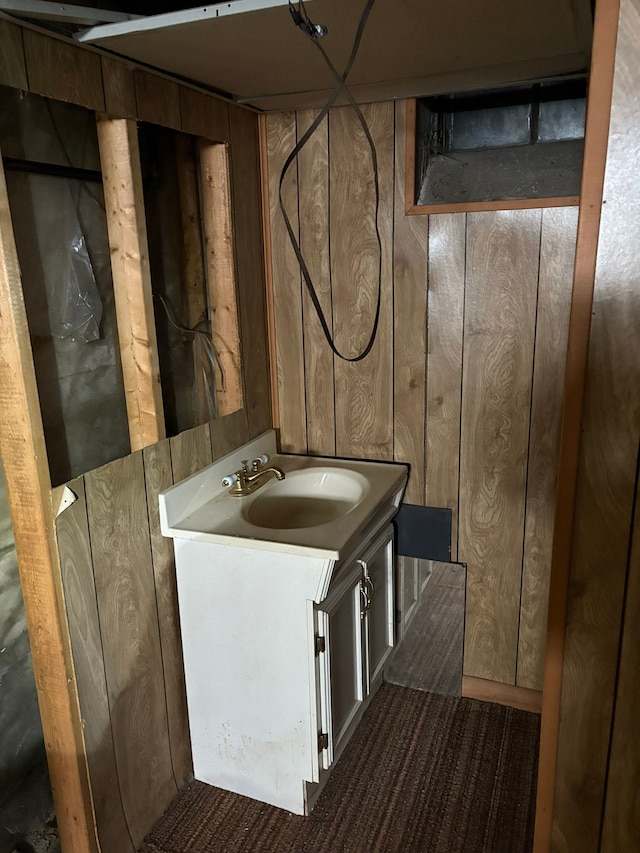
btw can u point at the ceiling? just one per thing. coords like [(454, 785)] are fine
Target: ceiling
[(409, 47)]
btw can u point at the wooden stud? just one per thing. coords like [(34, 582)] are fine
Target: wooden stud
[(220, 265), (596, 142), (122, 178), (24, 455), (194, 277), (410, 253)]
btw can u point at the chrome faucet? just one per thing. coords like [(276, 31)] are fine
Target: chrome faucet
[(245, 483)]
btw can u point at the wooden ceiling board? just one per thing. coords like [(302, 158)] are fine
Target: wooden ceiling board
[(260, 54)]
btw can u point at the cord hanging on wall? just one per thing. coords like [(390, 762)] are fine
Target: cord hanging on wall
[(315, 32)]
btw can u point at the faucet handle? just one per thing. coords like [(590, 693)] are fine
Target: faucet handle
[(257, 463), (245, 463)]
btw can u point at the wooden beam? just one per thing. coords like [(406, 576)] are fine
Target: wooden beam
[(122, 178), (24, 455), (595, 154), (220, 266)]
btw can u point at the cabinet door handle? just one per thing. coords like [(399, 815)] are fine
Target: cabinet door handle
[(371, 590), (364, 600)]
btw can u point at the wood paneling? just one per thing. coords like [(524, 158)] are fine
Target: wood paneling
[(204, 115), (410, 244), (125, 590), (447, 267), (229, 432), (363, 390), (552, 326), (245, 174), (119, 89), (600, 574), (287, 294), (499, 324), (158, 99), (122, 182), (190, 452), (63, 71), (72, 530), (23, 450), (13, 70), (313, 194), (158, 477)]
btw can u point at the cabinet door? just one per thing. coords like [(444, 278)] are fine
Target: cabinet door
[(377, 570), (340, 624)]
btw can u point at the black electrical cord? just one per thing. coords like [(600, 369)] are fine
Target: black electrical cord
[(314, 32)]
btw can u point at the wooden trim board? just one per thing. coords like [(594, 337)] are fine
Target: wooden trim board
[(502, 694), (26, 466), (595, 153)]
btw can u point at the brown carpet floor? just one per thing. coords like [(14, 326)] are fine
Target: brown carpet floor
[(423, 774), (430, 654)]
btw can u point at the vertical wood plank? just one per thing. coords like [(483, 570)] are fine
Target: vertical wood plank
[(158, 476), (122, 181), (500, 303), (157, 99), (119, 530), (606, 476), (119, 88), (204, 115), (447, 262), (72, 531), (13, 69), (220, 264), (228, 433), (63, 71), (190, 452), (621, 827), (364, 396), (410, 252), (23, 450), (287, 294), (313, 192), (245, 165), (557, 250)]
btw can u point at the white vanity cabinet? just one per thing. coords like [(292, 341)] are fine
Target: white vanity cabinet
[(354, 638)]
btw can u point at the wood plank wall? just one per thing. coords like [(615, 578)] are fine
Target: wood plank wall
[(465, 379), (598, 762), (118, 571)]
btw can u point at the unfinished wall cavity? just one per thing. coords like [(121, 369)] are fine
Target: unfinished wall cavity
[(51, 160)]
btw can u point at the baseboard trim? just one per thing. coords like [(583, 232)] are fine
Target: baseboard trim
[(502, 694)]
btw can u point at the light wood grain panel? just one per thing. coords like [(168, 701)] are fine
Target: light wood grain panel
[(228, 433), (204, 115), (410, 252), (63, 71), (245, 172), (287, 294), (190, 452), (72, 532), (621, 822), (13, 70), (126, 225), (220, 264), (557, 250), (500, 304), (158, 477), (119, 89), (313, 193), (26, 466), (606, 474), (364, 396), (157, 99), (119, 530), (447, 262)]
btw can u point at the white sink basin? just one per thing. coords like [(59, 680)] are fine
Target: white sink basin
[(317, 510), (307, 498)]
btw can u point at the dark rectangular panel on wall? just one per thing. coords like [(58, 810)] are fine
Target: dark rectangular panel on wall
[(410, 251), (423, 532), (364, 389), (499, 325)]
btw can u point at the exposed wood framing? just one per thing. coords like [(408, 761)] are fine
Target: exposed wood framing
[(127, 229), (221, 271), (596, 142), (26, 467)]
